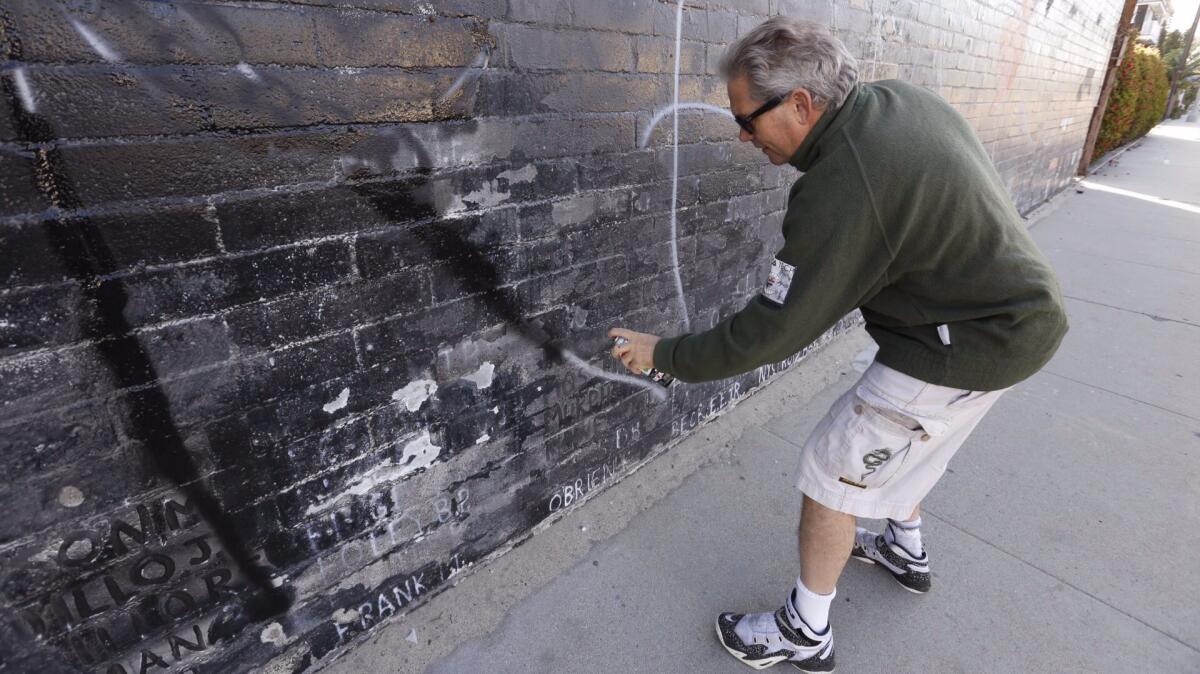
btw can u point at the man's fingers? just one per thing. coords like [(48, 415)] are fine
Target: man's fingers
[(621, 332)]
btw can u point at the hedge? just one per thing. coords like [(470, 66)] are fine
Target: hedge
[(1138, 100)]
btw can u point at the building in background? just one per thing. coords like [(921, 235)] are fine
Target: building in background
[(1150, 17)]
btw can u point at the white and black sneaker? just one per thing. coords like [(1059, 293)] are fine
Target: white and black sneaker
[(911, 571), (764, 639)]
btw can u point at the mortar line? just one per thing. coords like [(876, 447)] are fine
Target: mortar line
[(1068, 583)]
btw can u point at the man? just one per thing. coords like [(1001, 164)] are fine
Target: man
[(898, 212)]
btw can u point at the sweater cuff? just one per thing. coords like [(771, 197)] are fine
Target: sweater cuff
[(664, 355)]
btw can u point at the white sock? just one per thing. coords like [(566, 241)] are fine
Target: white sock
[(905, 534), (813, 607)]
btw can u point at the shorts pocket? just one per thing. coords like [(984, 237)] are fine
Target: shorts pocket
[(864, 448)]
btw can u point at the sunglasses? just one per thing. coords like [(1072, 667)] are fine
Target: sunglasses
[(747, 122)]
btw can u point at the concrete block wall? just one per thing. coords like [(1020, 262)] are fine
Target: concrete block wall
[(304, 304)]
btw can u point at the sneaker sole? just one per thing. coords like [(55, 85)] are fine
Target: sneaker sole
[(756, 664), (868, 560), (762, 664), (813, 671)]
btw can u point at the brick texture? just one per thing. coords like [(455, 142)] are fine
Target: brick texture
[(295, 293)]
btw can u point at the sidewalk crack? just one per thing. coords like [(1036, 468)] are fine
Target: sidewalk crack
[(1122, 395), (1156, 317), (1060, 579)]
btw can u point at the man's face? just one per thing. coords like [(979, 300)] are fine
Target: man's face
[(779, 131)]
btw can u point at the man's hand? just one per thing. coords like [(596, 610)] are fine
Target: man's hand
[(638, 354)]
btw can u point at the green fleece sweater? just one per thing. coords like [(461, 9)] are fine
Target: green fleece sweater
[(899, 212)]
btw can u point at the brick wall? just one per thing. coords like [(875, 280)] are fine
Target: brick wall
[(304, 302)]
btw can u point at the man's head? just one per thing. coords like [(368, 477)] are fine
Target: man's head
[(788, 71)]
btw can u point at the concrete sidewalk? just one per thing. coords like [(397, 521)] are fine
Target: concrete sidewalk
[(1063, 539)]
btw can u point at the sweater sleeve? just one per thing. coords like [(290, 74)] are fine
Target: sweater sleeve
[(835, 256)]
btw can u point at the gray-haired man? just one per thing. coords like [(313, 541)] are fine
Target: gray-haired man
[(900, 213)]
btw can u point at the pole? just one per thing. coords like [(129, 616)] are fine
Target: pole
[(1183, 59), (1110, 79)]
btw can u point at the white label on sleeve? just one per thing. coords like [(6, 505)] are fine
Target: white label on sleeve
[(778, 281)]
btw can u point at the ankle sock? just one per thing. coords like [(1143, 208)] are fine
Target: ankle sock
[(905, 534), (813, 607)]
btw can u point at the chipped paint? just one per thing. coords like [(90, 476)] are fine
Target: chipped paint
[(344, 615), (482, 378), (415, 393), (274, 634), (338, 402)]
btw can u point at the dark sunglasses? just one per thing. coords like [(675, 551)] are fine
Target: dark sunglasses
[(747, 122)]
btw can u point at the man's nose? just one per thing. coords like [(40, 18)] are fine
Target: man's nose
[(744, 136)]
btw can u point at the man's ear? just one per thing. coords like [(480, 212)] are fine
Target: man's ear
[(803, 102)]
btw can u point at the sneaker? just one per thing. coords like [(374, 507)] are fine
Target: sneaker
[(911, 571), (764, 639)]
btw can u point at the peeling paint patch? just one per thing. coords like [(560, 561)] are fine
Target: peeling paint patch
[(70, 496), (493, 192), (415, 394), (417, 454), (482, 378), (573, 211), (274, 634), (338, 402)]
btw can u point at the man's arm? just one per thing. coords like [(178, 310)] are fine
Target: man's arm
[(834, 258)]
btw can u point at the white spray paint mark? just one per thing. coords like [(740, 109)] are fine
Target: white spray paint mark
[(412, 636), (483, 438), (417, 454), (482, 378), (415, 393), (687, 323), (245, 69), (274, 634), (338, 402), (655, 390), (94, 41), (278, 581), (658, 116), (478, 66), (24, 90)]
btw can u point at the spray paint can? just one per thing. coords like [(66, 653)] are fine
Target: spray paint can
[(649, 372)]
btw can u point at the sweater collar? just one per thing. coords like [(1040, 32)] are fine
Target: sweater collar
[(831, 120)]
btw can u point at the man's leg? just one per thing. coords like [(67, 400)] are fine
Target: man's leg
[(826, 537)]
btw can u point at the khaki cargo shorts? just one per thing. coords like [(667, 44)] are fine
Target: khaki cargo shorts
[(886, 442)]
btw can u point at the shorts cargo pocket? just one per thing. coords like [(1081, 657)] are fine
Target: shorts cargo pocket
[(864, 448)]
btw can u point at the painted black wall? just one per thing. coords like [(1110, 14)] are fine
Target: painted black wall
[(243, 242)]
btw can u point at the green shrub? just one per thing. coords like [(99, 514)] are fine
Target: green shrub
[(1138, 99)]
